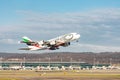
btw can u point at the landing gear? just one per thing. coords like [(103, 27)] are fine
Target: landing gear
[(53, 48), (77, 40)]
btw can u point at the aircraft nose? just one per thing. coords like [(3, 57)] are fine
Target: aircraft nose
[(78, 36)]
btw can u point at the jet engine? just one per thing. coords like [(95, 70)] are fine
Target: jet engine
[(52, 42), (53, 47), (66, 44)]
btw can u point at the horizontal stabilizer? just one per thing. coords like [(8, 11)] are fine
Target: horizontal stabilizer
[(24, 48)]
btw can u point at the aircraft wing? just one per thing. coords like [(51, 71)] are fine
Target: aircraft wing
[(53, 42)]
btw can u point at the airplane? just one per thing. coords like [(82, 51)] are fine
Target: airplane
[(51, 44)]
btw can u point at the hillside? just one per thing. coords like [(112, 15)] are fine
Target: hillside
[(89, 57)]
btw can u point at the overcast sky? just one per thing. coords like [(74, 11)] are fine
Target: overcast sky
[(97, 21)]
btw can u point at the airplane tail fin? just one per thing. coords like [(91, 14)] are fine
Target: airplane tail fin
[(26, 40)]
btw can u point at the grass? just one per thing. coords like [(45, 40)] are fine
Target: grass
[(62, 75)]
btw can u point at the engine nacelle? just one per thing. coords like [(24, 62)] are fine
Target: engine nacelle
[(41, 42), (53, 47), (66, 44), (52, 42)]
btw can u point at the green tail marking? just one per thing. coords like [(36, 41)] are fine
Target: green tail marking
[(26, 39)]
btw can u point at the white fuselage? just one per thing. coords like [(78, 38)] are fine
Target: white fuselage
[(51, 44), (66, 38), (61, 39)]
